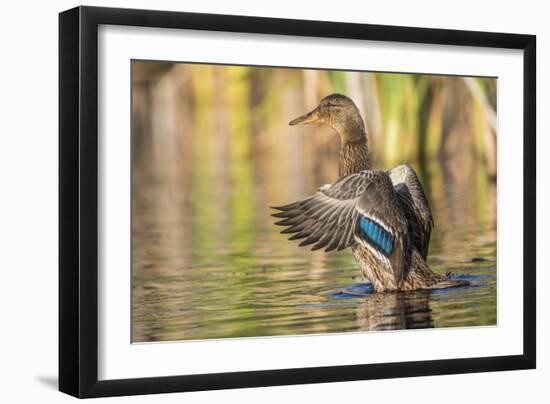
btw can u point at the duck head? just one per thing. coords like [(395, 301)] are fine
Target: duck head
[(340, 113)]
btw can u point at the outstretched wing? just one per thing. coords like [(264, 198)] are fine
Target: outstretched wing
[(360, 208), (326, 219), (415, 206)]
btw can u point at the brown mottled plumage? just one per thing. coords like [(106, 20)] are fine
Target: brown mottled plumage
[(354, 157), (384, 217)]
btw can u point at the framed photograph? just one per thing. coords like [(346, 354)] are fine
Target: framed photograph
[(251, 201)]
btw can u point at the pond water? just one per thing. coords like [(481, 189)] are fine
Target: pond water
[(215, 269)]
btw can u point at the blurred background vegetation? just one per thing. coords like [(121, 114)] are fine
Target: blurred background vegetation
[(212, 150), (410, 117)]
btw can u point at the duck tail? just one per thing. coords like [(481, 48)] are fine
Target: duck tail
[(425, 278)]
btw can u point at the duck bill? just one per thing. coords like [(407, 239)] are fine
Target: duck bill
[(310, 117)]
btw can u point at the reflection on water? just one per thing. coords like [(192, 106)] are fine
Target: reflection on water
[(208, 261)]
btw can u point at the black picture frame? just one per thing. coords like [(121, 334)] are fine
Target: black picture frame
[(78, 201)]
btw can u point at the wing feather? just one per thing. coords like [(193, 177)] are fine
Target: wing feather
[(330, 218), (415, 206), (380, 203)]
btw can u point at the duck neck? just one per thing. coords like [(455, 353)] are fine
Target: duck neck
[(354, 157)]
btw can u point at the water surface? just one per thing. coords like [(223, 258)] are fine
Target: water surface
[(215, 271)]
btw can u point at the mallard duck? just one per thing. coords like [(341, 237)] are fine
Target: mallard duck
[(384, 217)]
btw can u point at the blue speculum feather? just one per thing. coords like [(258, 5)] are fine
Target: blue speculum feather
[(376, 234)]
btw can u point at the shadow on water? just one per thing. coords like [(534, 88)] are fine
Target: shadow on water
[(403, 310), (387, 311)]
